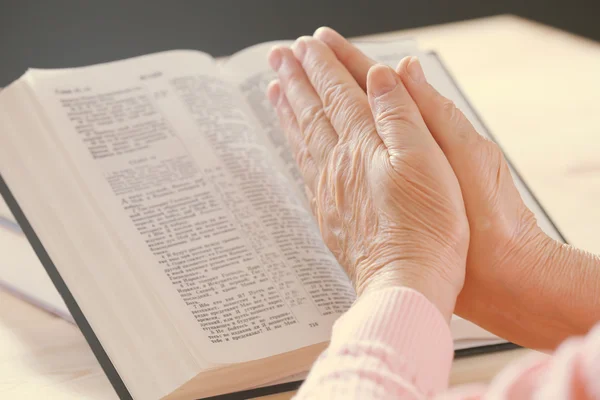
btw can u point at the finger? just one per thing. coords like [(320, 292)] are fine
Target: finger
[(477, 162), (449, 127), (355, 61), (312, 200), (344, 102), (399, 123), (314, 126), (287, 119)]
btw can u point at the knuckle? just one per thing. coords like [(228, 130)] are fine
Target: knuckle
[(399, 116), (284, 113), (313, 206), (398, 111), (307, 169), (310, 117), (315, 57), (349, 117), (485, 145), (489, 148), (295, 85), (286, 117), (456, 119), (308, 192), (449, 109), (490, 162), (332, 94), (294, 141), (301, 158), (342, 164), (290, 76), (311, 43), (412, 161), (309, 176)]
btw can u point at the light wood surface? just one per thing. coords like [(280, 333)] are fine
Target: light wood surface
[(538, 90)]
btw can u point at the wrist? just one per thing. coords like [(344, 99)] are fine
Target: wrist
[(544, 292), (437, 288), (564, 285)]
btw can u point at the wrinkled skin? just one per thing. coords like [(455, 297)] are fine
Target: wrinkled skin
[(385, 197), (520, 283), (382, 171)]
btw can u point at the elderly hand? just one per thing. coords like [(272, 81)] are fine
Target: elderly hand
[(386, 200), (520, 283)]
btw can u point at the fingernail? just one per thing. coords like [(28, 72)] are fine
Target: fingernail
[(275, 58), (383, 80), (273, 93), (299, 49), (415, 71)]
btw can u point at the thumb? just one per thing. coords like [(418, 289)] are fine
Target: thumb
[(397, 117), (488, 189)]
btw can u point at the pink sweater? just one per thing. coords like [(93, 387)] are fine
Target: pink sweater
[(395, 344)]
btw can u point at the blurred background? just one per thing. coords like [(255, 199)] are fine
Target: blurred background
[(51, 34)]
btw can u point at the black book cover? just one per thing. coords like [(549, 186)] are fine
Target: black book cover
[(96, 346)]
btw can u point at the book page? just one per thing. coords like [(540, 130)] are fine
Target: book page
[(249, 70), (174, 164)]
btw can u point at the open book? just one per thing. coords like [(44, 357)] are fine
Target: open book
[(160, 196)]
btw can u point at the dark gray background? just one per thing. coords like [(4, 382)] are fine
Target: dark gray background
[(49, 34)]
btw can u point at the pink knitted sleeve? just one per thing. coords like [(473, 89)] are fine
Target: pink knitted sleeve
[(395, 344)]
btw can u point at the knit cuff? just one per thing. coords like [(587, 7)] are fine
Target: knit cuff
[(405, 321)]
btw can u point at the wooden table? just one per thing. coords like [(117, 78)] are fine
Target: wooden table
[(538, 90)]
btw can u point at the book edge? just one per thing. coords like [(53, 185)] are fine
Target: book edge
[(503, 346), (103, 358), (491, 135), (80, 319)]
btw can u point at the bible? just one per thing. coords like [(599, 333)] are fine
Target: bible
[(160, 196)]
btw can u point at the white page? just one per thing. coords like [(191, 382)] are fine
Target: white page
[(185, 196), (250, 71)]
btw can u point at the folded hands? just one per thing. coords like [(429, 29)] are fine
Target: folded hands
[(407, 193)]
